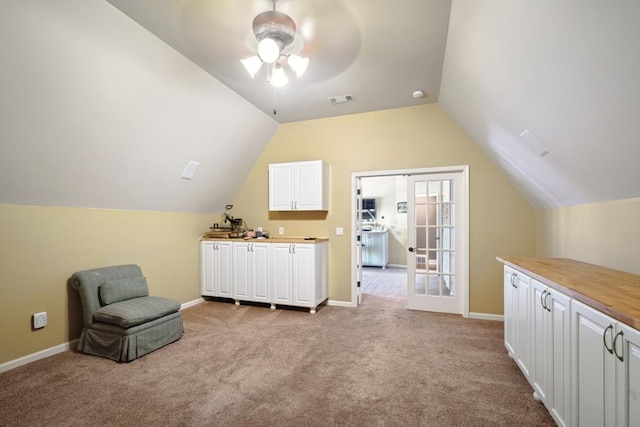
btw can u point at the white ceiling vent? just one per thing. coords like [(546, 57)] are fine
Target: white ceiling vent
[(341, 99), (536, 145), (190, 170)]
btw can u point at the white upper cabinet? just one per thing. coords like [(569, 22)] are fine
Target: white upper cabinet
[(299, 186)]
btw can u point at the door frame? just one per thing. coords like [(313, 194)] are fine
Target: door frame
[(463, 169)]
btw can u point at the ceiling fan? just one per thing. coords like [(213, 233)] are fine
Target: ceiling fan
[(275, 31)]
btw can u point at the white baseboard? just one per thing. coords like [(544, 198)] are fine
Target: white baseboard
[(340, 303), (191, 303), (485, 316), (64, 347), (37, 356), (396, 265)]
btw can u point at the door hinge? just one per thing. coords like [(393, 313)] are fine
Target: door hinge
[(358, 284), (358, 238), (359, 191)]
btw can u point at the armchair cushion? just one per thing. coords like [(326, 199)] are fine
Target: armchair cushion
[(136, 311), (117, 290)]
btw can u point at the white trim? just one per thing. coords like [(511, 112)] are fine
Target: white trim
[(464, 169), (191, 303), (487, 316), (341, 303), (397, 265), (64, 346), (61, 348)]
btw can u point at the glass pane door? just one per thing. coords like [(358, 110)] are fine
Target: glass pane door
[(432, 238)]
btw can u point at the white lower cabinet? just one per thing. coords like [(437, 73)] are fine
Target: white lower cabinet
[(582, 364), (550, 349), (215, 268), (375, 248), (299, 270), (517, 296), (251, 278), (593, 399), (627, 351), (276, 273), (606, 370)]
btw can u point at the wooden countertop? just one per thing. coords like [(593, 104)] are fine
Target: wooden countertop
[(612, 292), (278, 239)]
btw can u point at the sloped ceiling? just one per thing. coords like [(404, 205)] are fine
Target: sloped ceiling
[(97, 112), (569, 72)]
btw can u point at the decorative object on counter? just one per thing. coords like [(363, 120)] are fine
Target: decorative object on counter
[(231, 227)]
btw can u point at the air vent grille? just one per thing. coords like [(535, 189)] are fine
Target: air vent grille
[(341, 99)]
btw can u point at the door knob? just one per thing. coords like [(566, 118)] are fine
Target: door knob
[(411, 249)]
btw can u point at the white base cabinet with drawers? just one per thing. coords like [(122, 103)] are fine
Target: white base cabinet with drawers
[(277, 273), (582, 364)]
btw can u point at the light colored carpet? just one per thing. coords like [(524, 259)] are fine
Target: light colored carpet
[(375, 365), (391, 282)]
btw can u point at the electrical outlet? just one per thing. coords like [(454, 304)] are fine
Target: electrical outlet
[(40, 320), (281, 231)]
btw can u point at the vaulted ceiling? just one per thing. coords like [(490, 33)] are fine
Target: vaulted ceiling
[(565, 71)]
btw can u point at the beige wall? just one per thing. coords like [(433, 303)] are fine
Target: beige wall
[(502, 221), (606, 234), (40, 247)]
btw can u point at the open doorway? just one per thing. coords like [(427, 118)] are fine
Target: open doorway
[(383, 237), (410, 230)]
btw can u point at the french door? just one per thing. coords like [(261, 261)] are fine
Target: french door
[(436, 242), (437, 236)]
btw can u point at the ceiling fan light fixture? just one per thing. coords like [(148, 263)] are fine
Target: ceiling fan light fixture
[(298, 64), (278, 77), (269, 50), (252, 65)]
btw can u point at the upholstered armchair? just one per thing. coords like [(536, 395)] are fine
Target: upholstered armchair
[(121, 321)]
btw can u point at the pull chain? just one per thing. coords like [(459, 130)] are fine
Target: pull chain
[(274, 101)]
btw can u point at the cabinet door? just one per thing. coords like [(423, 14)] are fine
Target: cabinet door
[(592, 367), (366, 249), (223, 266), (510, 304), (207, 271), (260, 286), (375, 241), (281, 186), (539, 340), (304, 275), (628, 376), (215, 265), (309, 186), (522, 351), (241, 271), (282, 273), (558, 372)]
